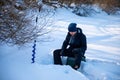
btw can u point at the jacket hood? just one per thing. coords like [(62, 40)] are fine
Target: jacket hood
[(79, 30)]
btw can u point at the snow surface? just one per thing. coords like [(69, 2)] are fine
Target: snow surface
[(103, 57)]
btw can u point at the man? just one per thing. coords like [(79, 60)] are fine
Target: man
[(74, 45)]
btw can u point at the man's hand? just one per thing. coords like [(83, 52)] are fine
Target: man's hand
[(76, 50), (62, 52)]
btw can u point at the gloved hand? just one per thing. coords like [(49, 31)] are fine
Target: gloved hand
[(78, 50), (62, 52)]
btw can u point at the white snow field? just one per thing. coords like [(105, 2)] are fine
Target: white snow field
[(102, 55)]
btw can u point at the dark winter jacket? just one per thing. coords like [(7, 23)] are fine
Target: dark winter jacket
[(78, 41)]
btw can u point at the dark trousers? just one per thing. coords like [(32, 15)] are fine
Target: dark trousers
[(69, 53)]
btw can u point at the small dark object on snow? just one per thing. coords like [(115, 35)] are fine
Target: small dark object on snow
[(71, 61)]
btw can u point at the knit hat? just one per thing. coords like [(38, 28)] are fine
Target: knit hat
[(72, 27)]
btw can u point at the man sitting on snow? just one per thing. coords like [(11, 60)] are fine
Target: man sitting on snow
[(77, 46)]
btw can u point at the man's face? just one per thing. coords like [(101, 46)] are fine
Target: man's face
[(72, 33)]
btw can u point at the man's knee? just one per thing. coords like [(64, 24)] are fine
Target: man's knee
[(56, 52)]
